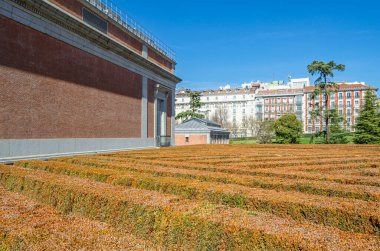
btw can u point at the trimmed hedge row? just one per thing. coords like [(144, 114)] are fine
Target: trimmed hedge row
[(268, 180), (345, 214), (175, 223), (27, 225)]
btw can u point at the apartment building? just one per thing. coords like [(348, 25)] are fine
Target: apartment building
[(226, 105), (348, 99), (272, 104), (270, 101), (233, 107), (80, 76)]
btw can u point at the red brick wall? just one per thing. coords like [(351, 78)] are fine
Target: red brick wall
[(159, 59), (150, 108), (124, 38), (71, 6), (194, 139), (52, 90)]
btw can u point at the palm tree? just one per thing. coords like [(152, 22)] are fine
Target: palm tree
[(324, 86)]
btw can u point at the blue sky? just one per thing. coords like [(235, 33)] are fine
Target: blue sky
[(235, 41)]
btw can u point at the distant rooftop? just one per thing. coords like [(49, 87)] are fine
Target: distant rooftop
[(199, 125), (110, 9)]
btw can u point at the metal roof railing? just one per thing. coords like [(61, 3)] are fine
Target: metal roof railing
[(111, 10)]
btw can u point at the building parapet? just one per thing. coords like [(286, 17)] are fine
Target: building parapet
[(110, 9)]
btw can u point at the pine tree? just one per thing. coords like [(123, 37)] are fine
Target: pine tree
[(324, 86), (368, 125), (195, 105), (338, 134)]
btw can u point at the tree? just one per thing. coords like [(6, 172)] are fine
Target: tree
[(324, 86), (288, 129), (195, 105), (265, 132), (338, 134), (252, 125), (220, 117), (368, 125)]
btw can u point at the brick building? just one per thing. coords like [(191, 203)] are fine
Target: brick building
[(348, 99), (196, 131), (79, 76)]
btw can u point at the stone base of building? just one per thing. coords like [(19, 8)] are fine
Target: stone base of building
[(18, 149)]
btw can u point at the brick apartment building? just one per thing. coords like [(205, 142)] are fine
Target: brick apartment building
[(348, 99), (79, 76)]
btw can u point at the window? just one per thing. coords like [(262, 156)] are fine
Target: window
[(348, 103), (279, 108), (356, 102), (243, 111), (95, 21), (357, 95), (317, 128), (207, 98), (332, 104), (348, 112), (187, 139), (348, 94), (340, 112), (309, 129), (340, 95), (332, 96), (340, 103)]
